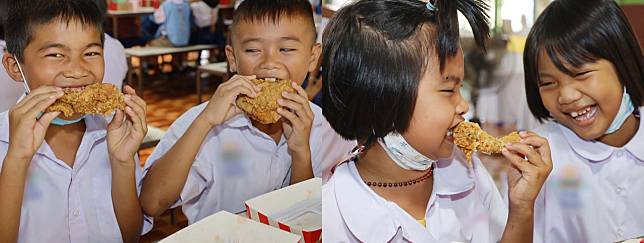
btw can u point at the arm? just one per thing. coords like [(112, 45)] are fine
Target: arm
[(297, 130), (126, 202), (124, 135), (165, 180), (525, 179), (26, 135), (12, 188)]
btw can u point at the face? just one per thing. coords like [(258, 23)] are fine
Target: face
[(60, 54), (587, 102), (439, 108), (284, 50)]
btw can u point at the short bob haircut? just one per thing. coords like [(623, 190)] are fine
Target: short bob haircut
[(375, 53), (575, 32), (24, 15), (272, 11)]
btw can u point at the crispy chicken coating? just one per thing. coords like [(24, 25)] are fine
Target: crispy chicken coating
[(263, 108), (469, 137), (98, 98)]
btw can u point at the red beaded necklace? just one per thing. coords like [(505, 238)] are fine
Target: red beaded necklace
[(427, 175)]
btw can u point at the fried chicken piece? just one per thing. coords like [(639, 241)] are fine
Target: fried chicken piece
[(469, 137), (263, 108), (96, 98)]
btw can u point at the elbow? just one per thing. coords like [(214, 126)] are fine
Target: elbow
[(152, 206)]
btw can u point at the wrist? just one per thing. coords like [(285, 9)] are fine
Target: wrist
[(203, 121), (300, 155), (21, 162), (522, 210)]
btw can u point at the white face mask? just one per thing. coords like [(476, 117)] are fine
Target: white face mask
[(625, 110), (403, 153), (56, 121)]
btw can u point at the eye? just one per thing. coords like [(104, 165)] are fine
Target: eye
[(582, 74), (546, 83), (93, 54), (251, 50), (287, 49), (56, 55)]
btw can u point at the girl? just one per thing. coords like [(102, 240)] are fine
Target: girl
[(586, 75), (394, 69)]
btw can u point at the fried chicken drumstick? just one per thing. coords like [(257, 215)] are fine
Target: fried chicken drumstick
[(469, 137), (263, 108), (98, 98)]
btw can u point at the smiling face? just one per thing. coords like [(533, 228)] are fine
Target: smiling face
[(586, 102), (60, 53), (439, 108), (285, 49)]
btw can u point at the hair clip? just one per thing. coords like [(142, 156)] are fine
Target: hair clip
[(431, 6)]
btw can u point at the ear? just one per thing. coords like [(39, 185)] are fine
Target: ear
[(11, 65), (315, 57), (230, 56)]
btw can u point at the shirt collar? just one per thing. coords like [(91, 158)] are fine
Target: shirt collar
[(452, 176), (597, 151)]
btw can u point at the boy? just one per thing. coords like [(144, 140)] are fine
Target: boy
[(213, 157), (71, 180)]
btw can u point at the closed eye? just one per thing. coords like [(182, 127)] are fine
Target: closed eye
[(93, 54), (57, 55), (581, 74)]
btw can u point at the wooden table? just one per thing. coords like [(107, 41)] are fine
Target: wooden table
[(142, 52), (219, 69), (137, 12)]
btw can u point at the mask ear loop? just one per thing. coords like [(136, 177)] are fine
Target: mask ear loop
[(24, 80), (356, 152)]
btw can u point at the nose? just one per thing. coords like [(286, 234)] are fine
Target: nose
[(77, 68), (568, 94), (462, 107), (270, 60)]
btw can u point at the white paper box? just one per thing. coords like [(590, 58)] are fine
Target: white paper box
[(225, 227), (289, 199)]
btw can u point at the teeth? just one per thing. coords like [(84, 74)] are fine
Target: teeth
[(450, 133), (575, 114)]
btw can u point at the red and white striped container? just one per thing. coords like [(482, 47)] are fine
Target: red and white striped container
[(260, 207)]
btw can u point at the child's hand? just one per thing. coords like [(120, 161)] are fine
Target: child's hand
[(222, 104), (526, 177), (299, 119), (26, 130), (124, 136)]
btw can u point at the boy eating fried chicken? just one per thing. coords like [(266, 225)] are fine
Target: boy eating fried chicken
[(67, 173), (258, 132)]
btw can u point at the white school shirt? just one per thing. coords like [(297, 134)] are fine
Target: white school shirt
[(595, 192), (465, 206), (115, 71), (237, 162), (205, 16), (63, 204)]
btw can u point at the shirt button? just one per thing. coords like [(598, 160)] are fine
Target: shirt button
[(619, 153), (76, 213)]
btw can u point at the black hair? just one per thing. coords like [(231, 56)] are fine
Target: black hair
[(575, 32), (3, 17), (24, 15), (375, 53), (273, 10), (102, 5), (211, 3)]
